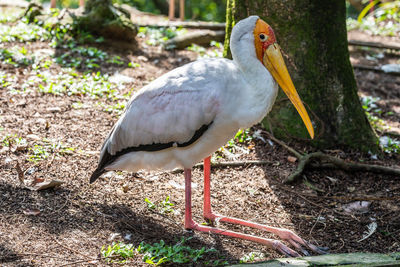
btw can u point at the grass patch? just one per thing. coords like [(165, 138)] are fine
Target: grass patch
[(42, 151), (158, 36), (158, 253), (252, 256), (164, 206), (217, 51), (72, 83), (23, 32), (16, 56)]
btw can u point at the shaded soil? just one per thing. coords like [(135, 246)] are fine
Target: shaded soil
[(77, 219)]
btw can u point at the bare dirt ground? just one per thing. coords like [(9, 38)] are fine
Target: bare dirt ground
[(69, 225)]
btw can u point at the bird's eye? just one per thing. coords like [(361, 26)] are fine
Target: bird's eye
[(263, 37)]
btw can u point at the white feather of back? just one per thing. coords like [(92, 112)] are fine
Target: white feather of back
[(231, 94)]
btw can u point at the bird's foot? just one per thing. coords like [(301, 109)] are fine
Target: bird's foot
[(297, 242), (275, 244)]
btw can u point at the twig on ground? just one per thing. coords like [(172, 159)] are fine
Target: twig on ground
[(288, 148), (223, 164), (303, 197), (38, 255), (77, 262), (73, 250), (363, 198), (317, 220), (316, 204)]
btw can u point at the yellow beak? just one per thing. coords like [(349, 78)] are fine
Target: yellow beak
[(273, 61)]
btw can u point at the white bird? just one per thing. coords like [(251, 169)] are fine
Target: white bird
[(188, 113)]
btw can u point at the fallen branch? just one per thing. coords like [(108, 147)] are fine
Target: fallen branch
[(373, 44), (203, 38), (186, 24), (373, 68)]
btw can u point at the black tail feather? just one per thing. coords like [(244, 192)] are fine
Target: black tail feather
[(96, 174), (106, 158)]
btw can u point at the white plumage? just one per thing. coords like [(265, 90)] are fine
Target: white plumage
[(188, 113), (232, 94)]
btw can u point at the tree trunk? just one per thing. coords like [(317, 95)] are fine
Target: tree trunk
[(312, 34)]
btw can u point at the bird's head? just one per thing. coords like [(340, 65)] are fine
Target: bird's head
[(269, 53)]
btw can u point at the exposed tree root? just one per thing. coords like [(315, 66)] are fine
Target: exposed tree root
[(327, 161), (337, 163)]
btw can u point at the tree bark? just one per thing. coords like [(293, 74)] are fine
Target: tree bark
[(312, 34)]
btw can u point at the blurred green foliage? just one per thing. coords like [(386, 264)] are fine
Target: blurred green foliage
[(207, 10), (378, 18)]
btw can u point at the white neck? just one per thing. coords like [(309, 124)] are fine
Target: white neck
[(263, 88)]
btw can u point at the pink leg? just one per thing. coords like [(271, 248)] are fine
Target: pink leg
[(190, 224), (207, 213), (284, 234)]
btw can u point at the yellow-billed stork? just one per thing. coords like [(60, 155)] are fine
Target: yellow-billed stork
[(188, 113)]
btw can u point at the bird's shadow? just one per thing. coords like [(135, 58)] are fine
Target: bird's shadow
[(60, 214)]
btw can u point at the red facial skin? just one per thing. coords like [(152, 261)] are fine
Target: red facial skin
[(263, 28)]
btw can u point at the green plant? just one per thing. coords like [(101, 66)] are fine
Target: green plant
[(38, 153), (133, 65), (252, 256), (16, 57), (118, 252), (23, 32), (384, 20), (389, 145), (158, 253), (197, 48), (210, 53), (82, 57), (116, 60), (8, 140), (372, 111), (164, 206), (209, 10), (243, 136), (150, 204), (116, 108), (70, 82), (10, 15), (158, 36), (47, 147), (3, 80)]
